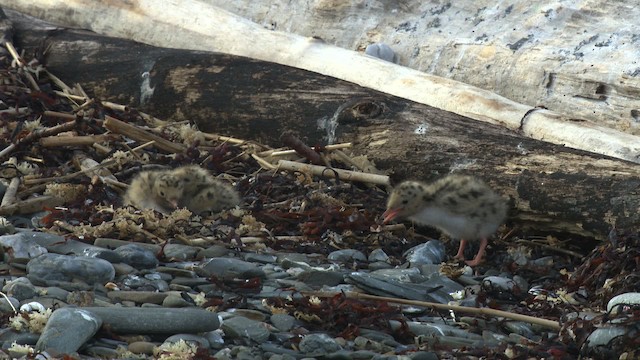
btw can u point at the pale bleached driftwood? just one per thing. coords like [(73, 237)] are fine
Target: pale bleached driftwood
[(135, 133), (31, 205), (64, 141), (341, 174), (10, 193), (199, 26), (532, 53)]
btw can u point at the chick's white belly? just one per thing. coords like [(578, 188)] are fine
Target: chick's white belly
[(456, 226)]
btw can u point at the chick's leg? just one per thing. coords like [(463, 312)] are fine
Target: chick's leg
[(460, 254), (476, 260)]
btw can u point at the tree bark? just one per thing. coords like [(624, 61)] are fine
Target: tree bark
[(551, 188)]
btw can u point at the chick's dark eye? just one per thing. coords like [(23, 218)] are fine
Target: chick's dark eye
[(161, 193), (405, 202)]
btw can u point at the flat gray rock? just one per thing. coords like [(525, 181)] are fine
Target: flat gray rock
[(240, 327), (156, 320), (227, 268), (52, 269), (20, 288), (137, 256), (179, 252), (23, 245), (319, 344), (67, 330)]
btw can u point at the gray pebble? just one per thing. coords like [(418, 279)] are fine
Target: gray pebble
[(630, 300), (68, 329), (102, 352), (9, 336), (520, 328), (20, 288), (213, 251), (346, 255), (379, 265), (602, 337), (56, 270), (423, 355), (242, 328), (139, 297), (317, 344), (282, 322), (123, 269), (382, 51), (141, 347), (189, 338), (378, 255), (228, 268), (260, 258), (23, 246), (55, 293), (179, 252), (137, 256), (431, 252), (137, 282), (5, 306), (156, 320), (318, 278), (109, 243), (176, 301), (215, 339)]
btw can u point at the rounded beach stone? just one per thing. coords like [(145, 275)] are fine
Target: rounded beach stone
[(240, 327), (20, 288), (156, 320), (137, 256), (319, 344), (67, 330), (141, 347), (49, 268), (226, 268)]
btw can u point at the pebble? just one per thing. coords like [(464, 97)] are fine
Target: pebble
[(188, 338), (69, 272), (622, 301), (431, 252), (137, 256), (346, 256), (382, 51), (20, 288), (141, 347), (22, 246), (154, 297), (178, 252), (68, 329), (282, 322), (133, 320), (240, 327), (318, 344), (229, 268)]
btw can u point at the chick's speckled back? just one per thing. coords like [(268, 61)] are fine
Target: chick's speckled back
[(461, 206)]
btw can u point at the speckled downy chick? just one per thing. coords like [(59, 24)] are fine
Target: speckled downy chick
[(462, 207), (156, 190), (203, 192)]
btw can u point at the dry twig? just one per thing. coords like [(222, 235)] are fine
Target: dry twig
[(463, 309), (138, 134), (341, 174)]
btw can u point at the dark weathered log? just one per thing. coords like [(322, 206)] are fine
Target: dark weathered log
[(551, 187)]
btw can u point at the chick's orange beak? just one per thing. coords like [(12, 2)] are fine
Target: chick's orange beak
[(390, 214)]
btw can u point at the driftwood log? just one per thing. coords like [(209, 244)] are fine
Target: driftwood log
[(552, 188), (197, 25)]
